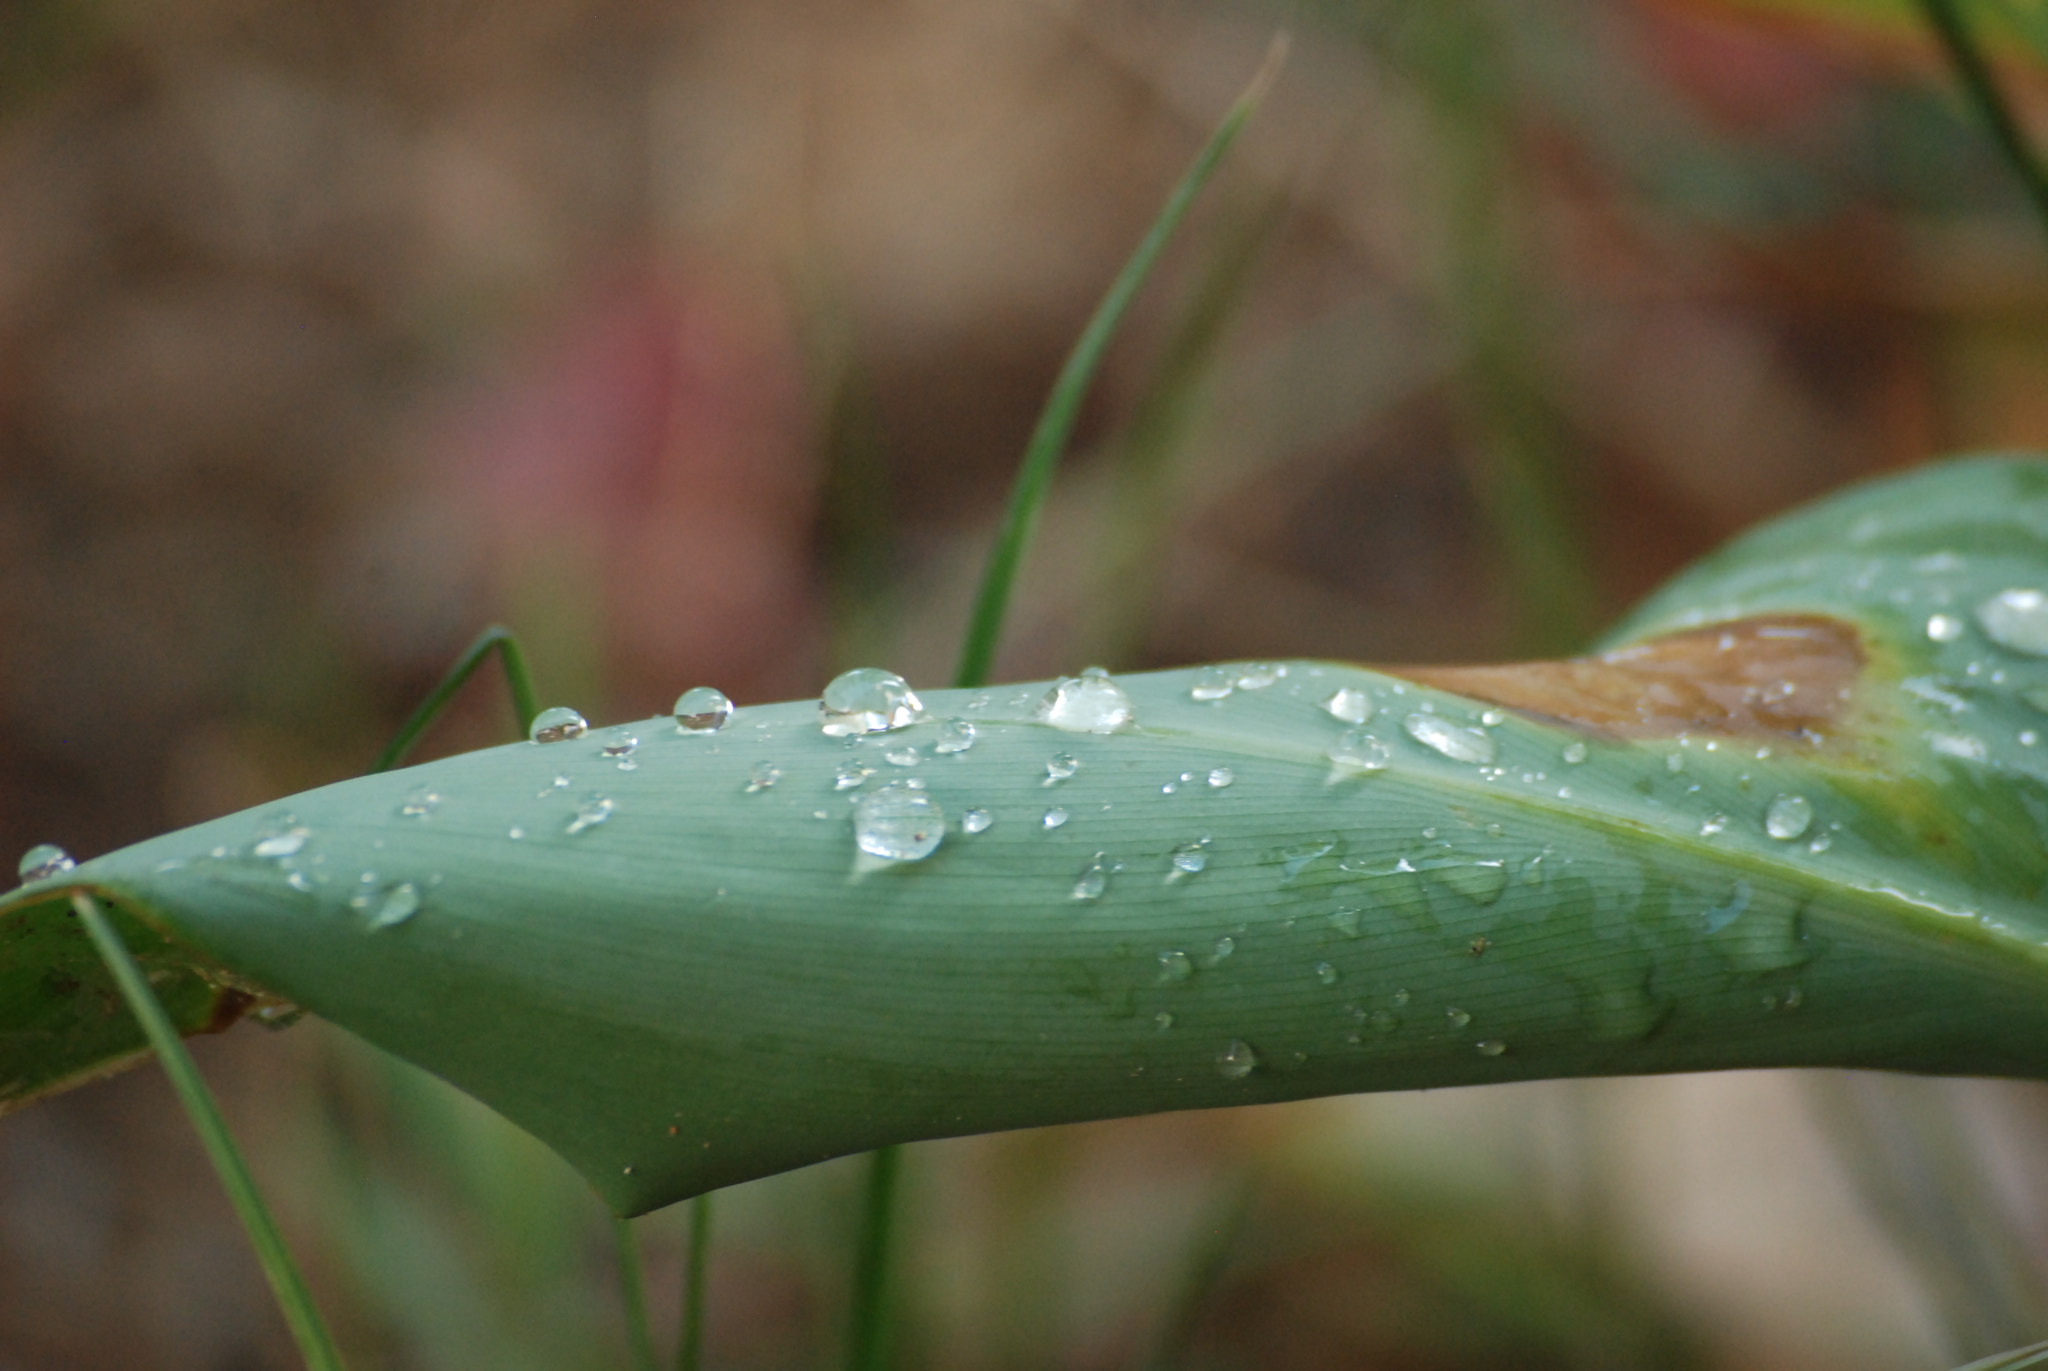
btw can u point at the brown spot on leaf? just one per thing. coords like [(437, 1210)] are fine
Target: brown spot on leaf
[(1781, 678)]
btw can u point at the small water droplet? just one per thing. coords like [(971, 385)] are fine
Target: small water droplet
[(1326, 973), (976, 821), (762, 776), (1088, 703), (557, 725), (1061, 766), (594, 810), (42, 860), (619, 744), (902, 756), (420, 802), (1297, 858), (1944, 628), (1351, 706), (955, 736), (850, 775), (1674, 762), (1094, 878), (1788, 817), (2017, 619), (1574, 753), (868, 700), (282, 844), (1490, 1047), (298, 880), (1349, 922), (1237, 1060), (1442, 736), (1221, 777), (1399, 999), (1054, 817), (1175, 966), (1222, 951), (399, 903), (1713, 824), (1493, 718), (898, 823), (700, 709), (1259, 675), (1189, 859), (1212, 683), (515, 833), (559, 783), (1162, 1020), (1358, 750), (1457, 1018)]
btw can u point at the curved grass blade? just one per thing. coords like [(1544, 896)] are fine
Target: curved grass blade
[(496, 638), (1973, 70), (2018, 1359), (690, 1338), (633, 1291), (1795, 814)]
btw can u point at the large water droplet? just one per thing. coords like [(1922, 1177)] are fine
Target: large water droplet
[(1442, 736), (44, 859), (955, 736), (1061, 766), (1094, 878), (762, 776), (898, 823), (1221, 778), (1357, 750), (868, 700), (557, 725), (1352, 706), (1175, 966), (594, 810), (1788, 817), (976, 821), (2017, 619), (1212, 683), (398, 904), (700, 709), (1054, 817), (1088, 703), (1237, 1060), (283, 844), (420, 801)]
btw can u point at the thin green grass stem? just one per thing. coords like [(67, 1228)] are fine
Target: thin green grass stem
[(1056, 422), (495, 638), (633, 1291), (309, 1330), (690, 1341), (868, 1330), (1973, 70)]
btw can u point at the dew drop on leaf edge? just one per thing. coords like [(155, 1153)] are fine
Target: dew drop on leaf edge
[(700, 710), (1451, 740), (44, 859), (868, 700), (557, 725), (1088, 703)]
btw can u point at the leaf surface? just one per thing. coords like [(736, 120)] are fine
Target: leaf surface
[(1793, 814)]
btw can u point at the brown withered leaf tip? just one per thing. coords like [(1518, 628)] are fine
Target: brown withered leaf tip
[(1782, 678)]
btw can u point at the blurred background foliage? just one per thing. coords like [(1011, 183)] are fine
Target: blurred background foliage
[(698, 341)]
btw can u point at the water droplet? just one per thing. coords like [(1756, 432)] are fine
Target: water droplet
[(515, 833), (1094, 878), (976, 821), (902, 756), (955, 736), (619, 744), (1221, 777), (1189, 859), (1713, 824), (850, 775), (868, 700), (1442, 736), (1054, 817), (1490, 1047), (420, 801), (557, 725), (700, 709), (1347, 921), (1061, 766), (281, 844), (1088, 703), (1162, 1020), (1493, 718), (2017, 619), (1960, 745), (559, 783), (44, 859), (1944, 628), (398, 904), (594, 810), (1175, 966), (1221, 953), (898, 823), (1457, 1018), (1574, 753), (1237, 1060), (1326, 973), (1788, 817), (1399, 999), (762, 776), (1352, 706), (1297, 858), (1259, 675), (1358, 750), (298, 880), (1212, 683), (1674, 762)]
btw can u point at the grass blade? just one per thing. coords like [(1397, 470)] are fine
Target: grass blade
[(1980, 85), (309, 1330), (690, 1340), (495, 638), (633, 1290)]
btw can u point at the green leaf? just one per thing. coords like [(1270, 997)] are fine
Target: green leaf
[(705, 982)]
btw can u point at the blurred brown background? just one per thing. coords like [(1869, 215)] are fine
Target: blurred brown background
[(698, 342)]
